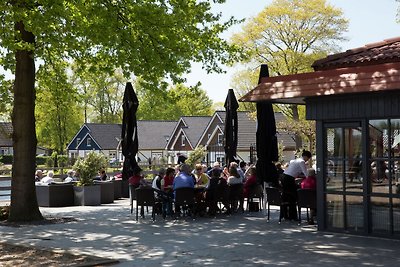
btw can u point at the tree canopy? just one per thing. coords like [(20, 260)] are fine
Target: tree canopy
[(178, 100), (149, 39), (289, 35)]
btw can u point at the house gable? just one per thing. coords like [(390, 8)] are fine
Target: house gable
[(214, 122), (88, 143), (181, 142), (78, 138), (175, 133), (107, 136), (214, 139)]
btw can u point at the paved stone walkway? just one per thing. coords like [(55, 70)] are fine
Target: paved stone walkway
[(239, 240)]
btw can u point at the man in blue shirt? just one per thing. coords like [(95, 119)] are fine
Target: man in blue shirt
[(183, 179)]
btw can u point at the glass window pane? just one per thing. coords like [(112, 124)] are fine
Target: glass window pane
[(353, 143), (395, 138), (379, 174), (334, 176), (354, 175), (379, 138), (396, 214), (355, 213), (380, 213), (334, 142), (335, 211)]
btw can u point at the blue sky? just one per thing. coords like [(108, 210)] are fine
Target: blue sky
[(370, 21)]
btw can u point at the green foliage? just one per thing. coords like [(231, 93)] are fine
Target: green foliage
[(171, 104), (41, 160), (62, 160), (49, 162), (6, 97), (306, 130), (57, 112), (154, 40), (291, 34), (196, 156), (151, 39), (191, 101), (244, 81), (88, 167), (101, 93), (6, 159)]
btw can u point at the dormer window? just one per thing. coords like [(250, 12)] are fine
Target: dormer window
[(78, 140), (183, 140), (89, 142)]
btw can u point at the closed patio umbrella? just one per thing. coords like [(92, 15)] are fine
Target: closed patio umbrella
[(129, 131), (231, 128), (266, 140)]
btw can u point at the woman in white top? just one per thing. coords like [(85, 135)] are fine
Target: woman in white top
[(234, 176), (48, 179)]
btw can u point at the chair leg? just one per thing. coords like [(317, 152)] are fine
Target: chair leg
[(268, 213), (137, 212), (299, 211), (308, 216), (280, 214)]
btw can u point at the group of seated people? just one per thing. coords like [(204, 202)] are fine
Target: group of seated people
[(212, 186), (72, 176)]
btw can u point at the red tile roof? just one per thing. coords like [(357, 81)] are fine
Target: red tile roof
[(371, 54), (294, 88)]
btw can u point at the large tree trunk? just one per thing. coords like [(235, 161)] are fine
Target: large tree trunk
[(24, 206)]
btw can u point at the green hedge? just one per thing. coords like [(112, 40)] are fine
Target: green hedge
[(41, 160), (6, 159)]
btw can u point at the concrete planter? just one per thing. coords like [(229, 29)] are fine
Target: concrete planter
[(125, 188), (107, 191), (55, 195), (117, 189), (89, 195)]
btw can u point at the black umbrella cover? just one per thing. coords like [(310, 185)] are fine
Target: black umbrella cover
[(266, 140), (130, 144), (266, 143), (231, 126)]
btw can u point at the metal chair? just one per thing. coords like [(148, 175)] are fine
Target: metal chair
[(132, 195), (255, 193), (236, 194), (145, 197), (222, 195), (274, 197), (185, 198), (306, 198)]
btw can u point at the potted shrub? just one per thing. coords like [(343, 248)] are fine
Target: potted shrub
[(86, 192)]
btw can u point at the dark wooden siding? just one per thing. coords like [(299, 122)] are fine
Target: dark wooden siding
[(354, 106)]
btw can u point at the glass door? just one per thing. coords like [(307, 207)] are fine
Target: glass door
[(384, 172), (344, 177)]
